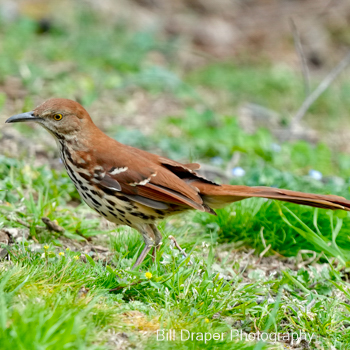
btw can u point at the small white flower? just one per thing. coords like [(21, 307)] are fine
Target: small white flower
[(238, 171), (315, 174)]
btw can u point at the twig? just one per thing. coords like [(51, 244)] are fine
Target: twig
[(302, 58), (264, 251), (325, 83), (37, 227), (52, 225), (261, 255), (177, 246), (308, 261), (22, 223)]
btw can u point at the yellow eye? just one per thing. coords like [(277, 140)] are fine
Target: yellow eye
[(57, 116)]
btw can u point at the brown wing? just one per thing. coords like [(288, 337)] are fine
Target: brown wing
[(144, 175)]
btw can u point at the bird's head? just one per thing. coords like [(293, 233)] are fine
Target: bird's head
[(61, 117)]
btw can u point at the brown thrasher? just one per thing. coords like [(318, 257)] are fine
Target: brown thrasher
[(132, 187)]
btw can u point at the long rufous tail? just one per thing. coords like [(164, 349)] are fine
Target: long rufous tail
[(219, 196)]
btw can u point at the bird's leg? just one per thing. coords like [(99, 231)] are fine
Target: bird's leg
[(150, 238), (142, 256), (158, 241), (178, 246)]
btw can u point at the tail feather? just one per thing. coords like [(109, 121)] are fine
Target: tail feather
[(219, 196)]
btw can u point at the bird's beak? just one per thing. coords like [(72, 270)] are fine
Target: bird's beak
[(23, 117)]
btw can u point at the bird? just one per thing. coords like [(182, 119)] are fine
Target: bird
[(132, 187)]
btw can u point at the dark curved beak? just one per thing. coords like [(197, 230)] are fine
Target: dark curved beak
[(23, 117)]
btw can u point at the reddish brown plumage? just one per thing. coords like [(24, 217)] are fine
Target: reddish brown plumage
[(133, 187)]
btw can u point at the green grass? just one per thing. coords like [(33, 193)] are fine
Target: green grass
[(258, 266), (45, 293)]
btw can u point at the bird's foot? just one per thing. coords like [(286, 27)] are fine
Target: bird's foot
[(142, 256)]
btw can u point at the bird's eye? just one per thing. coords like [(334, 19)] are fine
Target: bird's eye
[(57, 116)]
